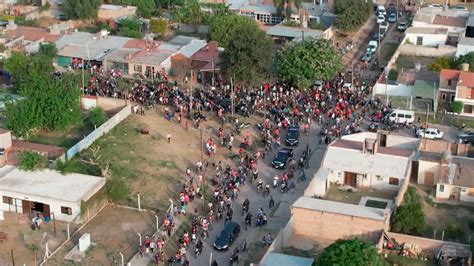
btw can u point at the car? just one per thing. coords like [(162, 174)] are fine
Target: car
[(62, 17), (372, 47), (391, 9), (293, 136), (430, 133), (436, 5), (383, 26), (402, 26), (381, 11), (392, 18), (380, 19), (367, 57), (467, 137), (462, 8), (281, 158), (227, 236)]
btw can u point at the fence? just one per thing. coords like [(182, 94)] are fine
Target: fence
[(417, 50), (98, 132)]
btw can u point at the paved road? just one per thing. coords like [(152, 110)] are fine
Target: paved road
[(282, 200)]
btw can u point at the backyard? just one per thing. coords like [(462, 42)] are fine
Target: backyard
[(354, 197)]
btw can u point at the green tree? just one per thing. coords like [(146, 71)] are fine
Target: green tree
[(409, 218), (351, 14), (96, 117), (441, 63), (302, 63), (249, 56), (81, 9), (467, 58), (349, 252), (51, 104), (145, 8), (159, 26), (48, 50), (221, 26), (117, 190), (23, 67), (190, 13), (454, 232), (457, 107), (30, 161), (130, 27), (286, 5)]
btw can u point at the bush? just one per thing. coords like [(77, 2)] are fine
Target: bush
[(471, 225), (117, 190), (454, 232), (441, 63), (30, 161), (96, 117), (409, 217), (316, 26)]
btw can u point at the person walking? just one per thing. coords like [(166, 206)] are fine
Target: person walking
[(168, 136)]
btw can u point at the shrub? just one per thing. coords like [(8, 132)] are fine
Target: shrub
[(96, 117), (30, 161), (454, 232), (117, 190)]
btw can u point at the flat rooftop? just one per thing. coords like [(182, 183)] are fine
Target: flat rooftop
[(50, 184), (339, 208)]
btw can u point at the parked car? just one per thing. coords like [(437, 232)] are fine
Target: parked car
[(281, 158), (227, 236), (436, 5), (372, 47), (293, 136), (462, 8), (380, 19), (392, 18), (467, 137), (392, 9), (402, 26), (401, 116), (381, 10), (383, 26), (430, 133), (367, 57)]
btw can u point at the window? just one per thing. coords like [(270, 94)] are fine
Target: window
[(379, 178), (449, 82), (393, 181), (66, 210), (443, 96), (137, 68), (7, 200), (452, 97), (400, 115), (408, 116), (441, 188)]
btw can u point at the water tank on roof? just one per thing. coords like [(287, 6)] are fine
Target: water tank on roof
[(465, 67)]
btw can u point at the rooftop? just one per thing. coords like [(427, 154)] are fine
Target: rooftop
[(92, 40), (340, 208), (466, 79), (150, 57), (192, 47), (449, 73), (50, 184), (273, 258), (293, 32), (466, 41), (182, 40), (450, 21), (464, 176), (32, 34), (258, 8), (420, 30)]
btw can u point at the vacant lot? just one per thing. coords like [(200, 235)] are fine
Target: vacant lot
[(335, 194)]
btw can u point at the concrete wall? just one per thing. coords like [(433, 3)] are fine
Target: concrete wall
[(379, 182), (464, 49), (88, 102), (403, 186), (109, 104), (188, 28), (440, 146), (98, 132), (417, 50), (428, 167), (446, 191), (465, 194), (331, 227), (281, 239), (432, 40), (6, 140), (392, 90), (54, 205)]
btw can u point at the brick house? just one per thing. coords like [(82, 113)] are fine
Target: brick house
[(457, 85)]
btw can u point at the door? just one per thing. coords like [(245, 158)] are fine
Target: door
[(46, 210), (419, 40), (350, 179), (414, 171), (383, 140), (429, 179), (26, 207)]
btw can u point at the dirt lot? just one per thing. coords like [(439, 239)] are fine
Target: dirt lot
[(24, 241), (354, 197), (113, 230)]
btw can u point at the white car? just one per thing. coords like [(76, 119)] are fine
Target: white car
[(430, 133), (380, 19), (372, 47)]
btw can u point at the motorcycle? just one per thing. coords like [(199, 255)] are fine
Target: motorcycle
[(284, 187), (275, 181)]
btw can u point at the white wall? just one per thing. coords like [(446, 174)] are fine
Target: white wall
[(464, 49), (465, 197), (54, 205), (392, 90), (337, 176), (319, 184), (428, 39), (445, 193), (435, 26), (427, 166)]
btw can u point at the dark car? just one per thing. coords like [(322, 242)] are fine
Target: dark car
[(227, 236), (293, 136), (281, 158), (467, 137)]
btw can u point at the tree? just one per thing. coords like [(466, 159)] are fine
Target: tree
[(30, 161), (48, 50), (117, 190), (81, 9), (190, 13), (130, 27), (302, 63), (457, 107), (467, 58), (48, 103), (221, 26), (249, 56), (441, 63), (159, 26), (145, 8), (409, 217), (351, 14), (96, 117), (349, 252), (287, 6), (23, 67)]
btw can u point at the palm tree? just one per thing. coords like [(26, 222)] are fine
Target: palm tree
[(287, 6)]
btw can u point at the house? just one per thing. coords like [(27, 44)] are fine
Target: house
[(452, 20), (46, 192), (286, 33), (456, 181), (465, 46), (457, 85), (28, 39), (379, 161), (431, 37), (115, 12), (327, 221)]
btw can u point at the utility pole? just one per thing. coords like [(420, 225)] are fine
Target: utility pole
[(232, 97), (202, 147), (378, 48), (13, 258), (352, 74), (386, 87), (191, 95), (213, 71), (54, 223), (435, 105)]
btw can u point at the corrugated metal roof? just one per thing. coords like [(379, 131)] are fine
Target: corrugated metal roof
[(339, 208), (292, 32), (92, 40), (193, 47), (273, 258), (466, 41), (422, 30)]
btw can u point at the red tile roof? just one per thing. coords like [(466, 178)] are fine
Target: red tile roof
[(32, 34), (141, 44), (466, 79), (449, 73), (450, 21), (42, 148)]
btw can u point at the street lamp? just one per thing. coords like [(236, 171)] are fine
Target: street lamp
[(83, 63)]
